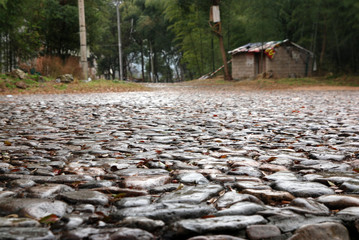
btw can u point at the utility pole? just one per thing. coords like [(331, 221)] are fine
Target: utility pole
[(217, 29), (119, 39), (83, 41)]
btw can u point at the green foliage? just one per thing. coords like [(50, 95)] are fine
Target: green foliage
[(171, 39), (61, 86)]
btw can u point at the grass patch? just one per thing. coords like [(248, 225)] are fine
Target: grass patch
[(36, 84), (61, 87), (283, 83)]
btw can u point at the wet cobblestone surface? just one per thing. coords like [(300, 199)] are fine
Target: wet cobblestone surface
[(180, 164)]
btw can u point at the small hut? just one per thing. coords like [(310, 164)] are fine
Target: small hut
[(277, 59)]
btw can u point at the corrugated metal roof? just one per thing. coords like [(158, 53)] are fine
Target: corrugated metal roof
[(262, 46)]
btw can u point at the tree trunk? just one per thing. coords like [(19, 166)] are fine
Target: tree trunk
[(152, 65), (196, 55), (1, 53), (155, 65), (339, 62), (324, 44), (142, 63)]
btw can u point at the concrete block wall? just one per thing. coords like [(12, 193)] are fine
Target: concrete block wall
[(288, 62), (243, 65)]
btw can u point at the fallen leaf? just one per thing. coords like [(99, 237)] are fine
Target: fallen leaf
[(212, 200), (331, 184), (52, 218), (180, 187), (271, 159), (7, 143), (119, 195)]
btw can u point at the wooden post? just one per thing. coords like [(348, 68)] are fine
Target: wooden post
[(83, 41), (119, 40), (217, 29), (224, 58)]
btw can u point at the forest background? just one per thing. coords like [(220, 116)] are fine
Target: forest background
[(171, 40)]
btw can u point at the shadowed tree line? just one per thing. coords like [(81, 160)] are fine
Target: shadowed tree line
[(170, 40)]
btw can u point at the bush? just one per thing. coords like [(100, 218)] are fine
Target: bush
[(54, 66)]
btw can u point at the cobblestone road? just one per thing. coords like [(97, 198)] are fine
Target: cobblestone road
[(178, 164)]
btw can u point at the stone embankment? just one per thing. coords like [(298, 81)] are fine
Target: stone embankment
[(181, 164)]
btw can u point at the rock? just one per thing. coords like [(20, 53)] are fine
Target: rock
[(273, 168), (337, 179), (192, 177), (18, 222), (326, 156), (73, 222), (80, 233), (21, 85), (86, 208), (241, 185), (323, 165), (192, 194), (165, 211), (145, 182), (350, 186), (247, 171), (215, 237), (241, 208), (32, 207), (133, 201), (164, 188), (270, 196), (18, 73), (303, 189), (282, 176), (322, 231), (124, 192), (5, 167), (96, 184), (142, 223), (26, 233), (308, 206), (140, 172), (339, 201), (223, 224), (66, 78), (289, 221), (68, 179), (257, 232), (85, 196), (224, 178), (48, 190), (242, 161), (131, 233), (349, 214), (7, 194), (230, 198), (23, 183)]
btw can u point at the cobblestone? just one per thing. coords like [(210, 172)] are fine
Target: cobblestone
[(180, 163)]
